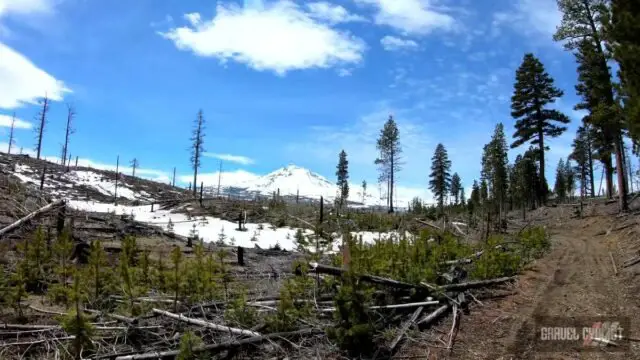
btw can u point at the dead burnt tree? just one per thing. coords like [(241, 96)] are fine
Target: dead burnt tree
[(41, 119), (11, 141), (42, 176), (197, 148), (115, 193), (134, 165), (201, 191), (67, 134)]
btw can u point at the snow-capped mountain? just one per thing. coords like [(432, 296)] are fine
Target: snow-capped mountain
[(294, 180), (291, 179)]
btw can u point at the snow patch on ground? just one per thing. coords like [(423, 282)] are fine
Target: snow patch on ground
[(210, 229)]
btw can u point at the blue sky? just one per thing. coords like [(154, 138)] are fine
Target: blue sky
[(279, 82)]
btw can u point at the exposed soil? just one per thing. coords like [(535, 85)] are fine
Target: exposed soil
[(576, 279)]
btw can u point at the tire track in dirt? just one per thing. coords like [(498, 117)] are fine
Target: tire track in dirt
[(581, 284)]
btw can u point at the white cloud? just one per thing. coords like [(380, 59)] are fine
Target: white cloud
[(530, 17), (22, 7), (331, 13), (392, 43), (22, 81), (227, 178), (239, 159), (5, 121), (279, 37), (410, 16)]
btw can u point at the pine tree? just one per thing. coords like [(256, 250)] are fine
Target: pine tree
[(456, 186), (176, 260), (494, 170), (440, 183), (97, 267), (41, 119), (581, 154), (622, 31), (389, 161), (560, 186), (364, 190), (69, 130), (533, 91), (197, 148), (342, 173), (569, 179), (583, 28)]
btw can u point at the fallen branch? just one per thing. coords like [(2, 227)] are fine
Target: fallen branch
[(426, 320), (125, 319), (31, 216), (51, 312), (205, 323), (613, 262), (35, 342), (631, 262), (217, 347), (478, 283), (404, 328)]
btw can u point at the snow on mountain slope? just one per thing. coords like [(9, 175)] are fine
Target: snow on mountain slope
[(291, 179)]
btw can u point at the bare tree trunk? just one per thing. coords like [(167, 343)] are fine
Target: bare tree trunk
[(65, 148), (40, 128), (391, 170), (115, 193), (13, 123), (622, 187)]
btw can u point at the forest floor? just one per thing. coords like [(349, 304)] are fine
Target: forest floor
[(575, 280)]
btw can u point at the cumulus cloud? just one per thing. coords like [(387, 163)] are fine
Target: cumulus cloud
[(410, 16), (279, 37), (5, 121), (22, 81), (331, 13), (238, 159), (392, 43)]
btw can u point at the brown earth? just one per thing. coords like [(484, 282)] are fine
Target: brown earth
[(576, 279)]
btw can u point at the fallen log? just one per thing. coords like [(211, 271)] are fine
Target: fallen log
[(30, 216), (125, 319), (335, 271), (205, 323), (478, 283), (215, 347)]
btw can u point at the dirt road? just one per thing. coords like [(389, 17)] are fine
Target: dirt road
[(576, 279)]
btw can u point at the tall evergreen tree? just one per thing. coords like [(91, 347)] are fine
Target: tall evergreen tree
[(456, 186), (197, 148), (561, 185), (494, 169), (364, 190), (581, 154), (342, 173), (533, 91), (440, 182), (583, 29), (569, 179), (389, 161), (623, 31)]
